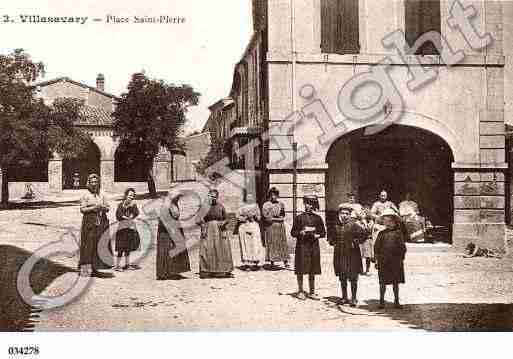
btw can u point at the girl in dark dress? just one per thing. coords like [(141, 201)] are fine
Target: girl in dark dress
[(94, 207), (347, 258), (307, 228), (172, 254), (127, 238), (390, 250)]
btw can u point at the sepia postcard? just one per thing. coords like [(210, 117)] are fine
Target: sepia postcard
[(254, 166)]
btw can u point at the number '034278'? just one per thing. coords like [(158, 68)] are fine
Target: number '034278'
[(22, 351)]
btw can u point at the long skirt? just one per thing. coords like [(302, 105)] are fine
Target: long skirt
[(251, 249), (172, 254), (90, 235), (307, 259), (215, 252), (276, 248)]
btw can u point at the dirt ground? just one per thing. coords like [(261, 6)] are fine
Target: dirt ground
[(443, 291)]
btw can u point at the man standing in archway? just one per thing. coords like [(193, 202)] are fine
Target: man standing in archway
[(381, 204)]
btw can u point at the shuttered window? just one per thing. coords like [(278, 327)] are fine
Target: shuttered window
[(422, 16), (340, 27)]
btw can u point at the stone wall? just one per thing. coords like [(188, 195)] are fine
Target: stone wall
[(464, 105)]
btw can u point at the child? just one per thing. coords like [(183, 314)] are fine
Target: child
[(389, 251), (367, 247), (347, 258), (127, 238)]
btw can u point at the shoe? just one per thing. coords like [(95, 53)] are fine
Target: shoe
[(342, 301), (301, 295), (314, 296), (353, 303), (381, 305), (134, 266), (118, 269), (287, 265), (397, 305)]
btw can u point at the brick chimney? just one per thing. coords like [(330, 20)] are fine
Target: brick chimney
[(100, 82)]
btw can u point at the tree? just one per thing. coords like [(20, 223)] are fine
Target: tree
[(151, 116), (30, 130)]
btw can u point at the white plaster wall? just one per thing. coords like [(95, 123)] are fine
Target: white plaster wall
[(449, 106), (377, 18)]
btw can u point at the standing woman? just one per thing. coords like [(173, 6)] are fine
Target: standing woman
[(275, 235), (94, 207), (248, 229), (172, 254), (127, 238), (390, 251), (215, 254)]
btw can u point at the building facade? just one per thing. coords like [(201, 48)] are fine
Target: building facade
[(116, 172), (446, 145)]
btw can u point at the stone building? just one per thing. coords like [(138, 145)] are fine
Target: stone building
[(116, 171), (446, 146)]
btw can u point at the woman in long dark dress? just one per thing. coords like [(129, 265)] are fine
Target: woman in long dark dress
[(308, 228), (127, 238), (390, 250), (172, 254), (94, 207), (215, 253)]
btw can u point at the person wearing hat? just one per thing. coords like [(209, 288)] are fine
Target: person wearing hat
[(357, 207), (94, 207), (347, 259), (275, 235), (389, 251), (308, 228), (215, 252), (381, 204)]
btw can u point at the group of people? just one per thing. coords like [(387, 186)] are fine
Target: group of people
[(359, 235), (215, 254), (378, 235)]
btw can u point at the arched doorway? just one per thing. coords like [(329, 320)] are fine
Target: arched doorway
[(401, 159), (80, 167)]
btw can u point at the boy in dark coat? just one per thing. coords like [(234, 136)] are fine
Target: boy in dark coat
[(308, 228), (347, 259), (389, 251)]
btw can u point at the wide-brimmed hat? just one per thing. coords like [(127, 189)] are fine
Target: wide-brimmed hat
[(345, 206), (390, 212)]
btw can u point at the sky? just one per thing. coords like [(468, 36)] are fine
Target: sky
[(201, 52)]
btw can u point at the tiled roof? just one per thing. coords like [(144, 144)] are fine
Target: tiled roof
[(94, 116)]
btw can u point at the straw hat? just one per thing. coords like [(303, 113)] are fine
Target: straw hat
[(345, 206), (390, 212)]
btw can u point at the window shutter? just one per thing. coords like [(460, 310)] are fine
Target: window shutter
[(329, 25), (422, 16), (349, 39)]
